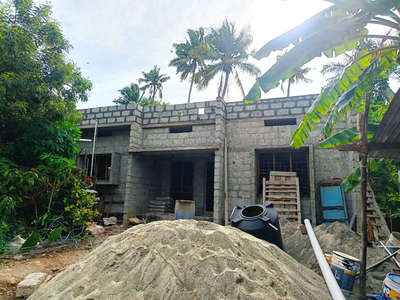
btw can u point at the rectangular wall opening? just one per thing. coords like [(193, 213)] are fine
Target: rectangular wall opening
[(180, 129), (284, 160), (280, 122), (101, 166)]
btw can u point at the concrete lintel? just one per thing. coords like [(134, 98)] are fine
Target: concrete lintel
[(200, 122), (177, 149)]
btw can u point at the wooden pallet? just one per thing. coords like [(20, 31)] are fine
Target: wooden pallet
[(161, 206), (283, 191)]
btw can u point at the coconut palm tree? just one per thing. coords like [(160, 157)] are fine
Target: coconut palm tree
[(153, 81), (297, 77), (228, 54), (129, 94), (188, 60)]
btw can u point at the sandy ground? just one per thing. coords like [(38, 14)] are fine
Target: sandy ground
[(185, 259), (50, 259)]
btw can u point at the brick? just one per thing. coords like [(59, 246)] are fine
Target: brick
[(121, 107), (159, 108), (85, 122), (126, 112), (180, 106), (107, 114), (121, 119), (269, 113), (244, 115), (232, 115), (112, 108), (303, 103), (296, 111), (104, 109), (130, 118), (238, 108), (250, 107), (131, 106), (110, 120), (289, 104), (102, 121), (99, 115), (116, 113), (276, 105), (30, 284), (256, 114), (95, 110), (90, 116), (281, 112), (184, 118), (164, 120), (200, 104), (174, 119), (147, 115)]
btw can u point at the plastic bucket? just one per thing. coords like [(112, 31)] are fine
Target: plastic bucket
[(345, 268), (184, 209), (391, 287)]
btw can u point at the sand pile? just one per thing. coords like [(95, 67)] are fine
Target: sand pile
[(185, 260), (337, 237)]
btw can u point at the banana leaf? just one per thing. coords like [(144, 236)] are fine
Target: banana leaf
[(347, 136), (351, 181)]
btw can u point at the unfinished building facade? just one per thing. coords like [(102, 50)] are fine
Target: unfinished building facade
[(178, 151)]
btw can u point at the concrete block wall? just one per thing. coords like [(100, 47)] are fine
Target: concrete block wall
[(116, 144), (158, 138), (243, 126)]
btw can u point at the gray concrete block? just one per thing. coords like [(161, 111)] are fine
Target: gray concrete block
[(102, 121), (159, 108), (99, 115), (121, 119), (121, 107), (184, 118), (180, 106), (256, 114), (126, 112), (174, 119), (104, 109), (116, 113), (282, 112), (250, 107), (147, 115), (289, 104), (90, 116), (107, 114), (131, 106), (232, 115), (30, 284), (296, 111), (238, 108), (276, 105), (244, 115), (269, 113), (303, 103), (95, 110)]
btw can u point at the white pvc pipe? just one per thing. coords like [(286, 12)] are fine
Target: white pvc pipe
[(330, 280), (93, 149)]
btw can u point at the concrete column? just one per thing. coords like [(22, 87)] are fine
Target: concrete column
[(129, 204)]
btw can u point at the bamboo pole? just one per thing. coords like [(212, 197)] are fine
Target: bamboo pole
[(363, 129)]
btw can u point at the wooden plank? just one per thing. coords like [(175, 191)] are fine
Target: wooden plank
[(282, 173), (283, 202), (278, 182), (264, 187), (289, 216), (278, 209), (281, 197), (298, 200)]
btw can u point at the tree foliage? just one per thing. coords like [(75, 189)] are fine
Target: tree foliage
[(153, 82), (39, 89), (190, 58)]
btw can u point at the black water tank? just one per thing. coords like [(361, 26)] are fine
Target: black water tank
[(260, 221)]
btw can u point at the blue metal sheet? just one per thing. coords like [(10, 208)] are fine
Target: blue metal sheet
[(331, 196), (334, 214)]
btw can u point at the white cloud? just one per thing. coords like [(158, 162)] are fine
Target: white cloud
[(114, 41)]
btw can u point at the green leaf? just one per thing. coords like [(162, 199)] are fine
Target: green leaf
[(347, 136), (54, 234), (30, 242), (351, 181), (254, 94)]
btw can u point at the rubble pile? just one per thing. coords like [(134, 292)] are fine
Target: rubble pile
[(185, 259)]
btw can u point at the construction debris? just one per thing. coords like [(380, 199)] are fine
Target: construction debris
[(15, 244), (185, 259), (95, 229), (110, 221), (134, 221), (30, 284), (336, 237)]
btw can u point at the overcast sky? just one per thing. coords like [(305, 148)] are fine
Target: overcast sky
[(114, 41)]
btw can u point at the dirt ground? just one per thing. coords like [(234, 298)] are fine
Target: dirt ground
[(50, 259)]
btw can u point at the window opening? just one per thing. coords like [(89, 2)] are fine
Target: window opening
[(280, 122), (101, 166), (289, 161), (180, 129)]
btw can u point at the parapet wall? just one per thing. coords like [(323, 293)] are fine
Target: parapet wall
[(195, 112)]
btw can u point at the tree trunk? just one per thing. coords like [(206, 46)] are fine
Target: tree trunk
[(225, 86), (191, 83), (363, 199), (288, 88), (220, 86), (153, 95)]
